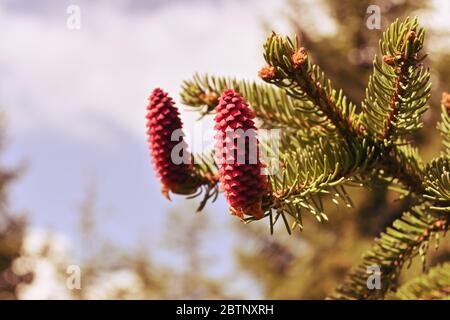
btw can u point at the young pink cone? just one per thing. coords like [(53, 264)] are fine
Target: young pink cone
[(163, 119), (242, 182)]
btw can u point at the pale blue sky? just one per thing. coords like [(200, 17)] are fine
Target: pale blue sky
[(75, 104)]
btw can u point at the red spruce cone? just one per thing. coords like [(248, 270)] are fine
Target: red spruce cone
[(162, 119), (242, 182)]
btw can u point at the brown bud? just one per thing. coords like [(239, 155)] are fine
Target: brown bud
[(411, 35), (362, 129), (446, 100), (389, 60), (209, 98), (439, 224), (267, 73), (299, 57)]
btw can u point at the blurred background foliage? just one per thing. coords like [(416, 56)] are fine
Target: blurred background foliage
[(306, 265)]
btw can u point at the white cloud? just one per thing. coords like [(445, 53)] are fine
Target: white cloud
[(82, 82)]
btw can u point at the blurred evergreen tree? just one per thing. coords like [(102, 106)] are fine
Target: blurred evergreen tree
[(12, 232)]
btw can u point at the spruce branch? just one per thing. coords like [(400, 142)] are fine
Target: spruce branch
[(396, 97), (399, 89), (310, 173), (435, 285), (205, 171), (308, 104), (404, 164), (273, 107), (437, 184), (408, 237), (327, 146), (302, 151), (303, 80), (312, 109)]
